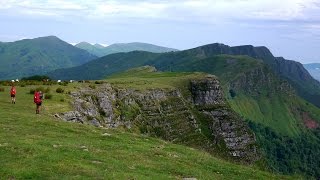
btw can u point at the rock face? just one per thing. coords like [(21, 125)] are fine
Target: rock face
[(207, 92), (228, 129), (200, 119)]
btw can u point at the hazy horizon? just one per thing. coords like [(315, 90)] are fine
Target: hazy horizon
[(290, 28)]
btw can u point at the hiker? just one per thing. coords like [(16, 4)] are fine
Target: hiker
[(38, 100), (13, 92)]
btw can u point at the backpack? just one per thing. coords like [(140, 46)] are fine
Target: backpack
[(13, 91), (37, 98)]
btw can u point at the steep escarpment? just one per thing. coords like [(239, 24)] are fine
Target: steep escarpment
[(197, 116), (226, 124)]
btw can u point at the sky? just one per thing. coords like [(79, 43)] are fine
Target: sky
[(289, 28)]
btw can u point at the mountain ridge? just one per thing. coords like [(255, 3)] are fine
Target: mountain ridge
[(100, 51), (38, 56)]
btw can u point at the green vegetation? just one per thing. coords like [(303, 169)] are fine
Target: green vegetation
[(146, 78), (38, 56), (59, 90), (100, 51), (42, 147), (105, 66), (36, 78), (273, 112), (289, 154)]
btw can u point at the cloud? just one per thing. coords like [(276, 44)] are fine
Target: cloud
[(263, 14), (177, 10)]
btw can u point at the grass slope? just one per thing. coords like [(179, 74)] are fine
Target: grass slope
[(40, 147)]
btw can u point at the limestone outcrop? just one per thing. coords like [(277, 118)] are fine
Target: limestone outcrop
[(201, 118)]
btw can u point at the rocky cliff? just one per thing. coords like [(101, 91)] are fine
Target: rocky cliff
[(199, 117)]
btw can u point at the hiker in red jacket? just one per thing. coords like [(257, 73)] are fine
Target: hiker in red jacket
[(38, 100), (13, 92)]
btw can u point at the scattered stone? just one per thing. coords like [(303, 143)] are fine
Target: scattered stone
[(173, 155), (96, 162), (57, 116), (106, 134), (131, 167), (95, 122)]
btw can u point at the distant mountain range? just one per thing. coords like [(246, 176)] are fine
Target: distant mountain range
[(314, 70), (100, 50), (38, 56)]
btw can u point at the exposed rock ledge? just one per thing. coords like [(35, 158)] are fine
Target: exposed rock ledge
[(204, 120)]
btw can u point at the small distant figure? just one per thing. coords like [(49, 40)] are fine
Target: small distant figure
[(38, 100), (13, 93)]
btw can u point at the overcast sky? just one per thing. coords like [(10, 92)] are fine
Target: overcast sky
[(289, 28)]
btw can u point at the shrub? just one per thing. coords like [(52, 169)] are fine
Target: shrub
[(36, 78), (62, 99), (92, 86), (47, 90), (98, 82), (232, 93), (59, 90), (1, 89), (65, 83), (48, 96), (32, 91), (40, 89)]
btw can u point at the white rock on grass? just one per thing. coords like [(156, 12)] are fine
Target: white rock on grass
[(106, 134)]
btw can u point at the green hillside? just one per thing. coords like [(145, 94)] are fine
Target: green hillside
[(252, 87), (107, 65), (100, 51), (38, 56), (43, 147)]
